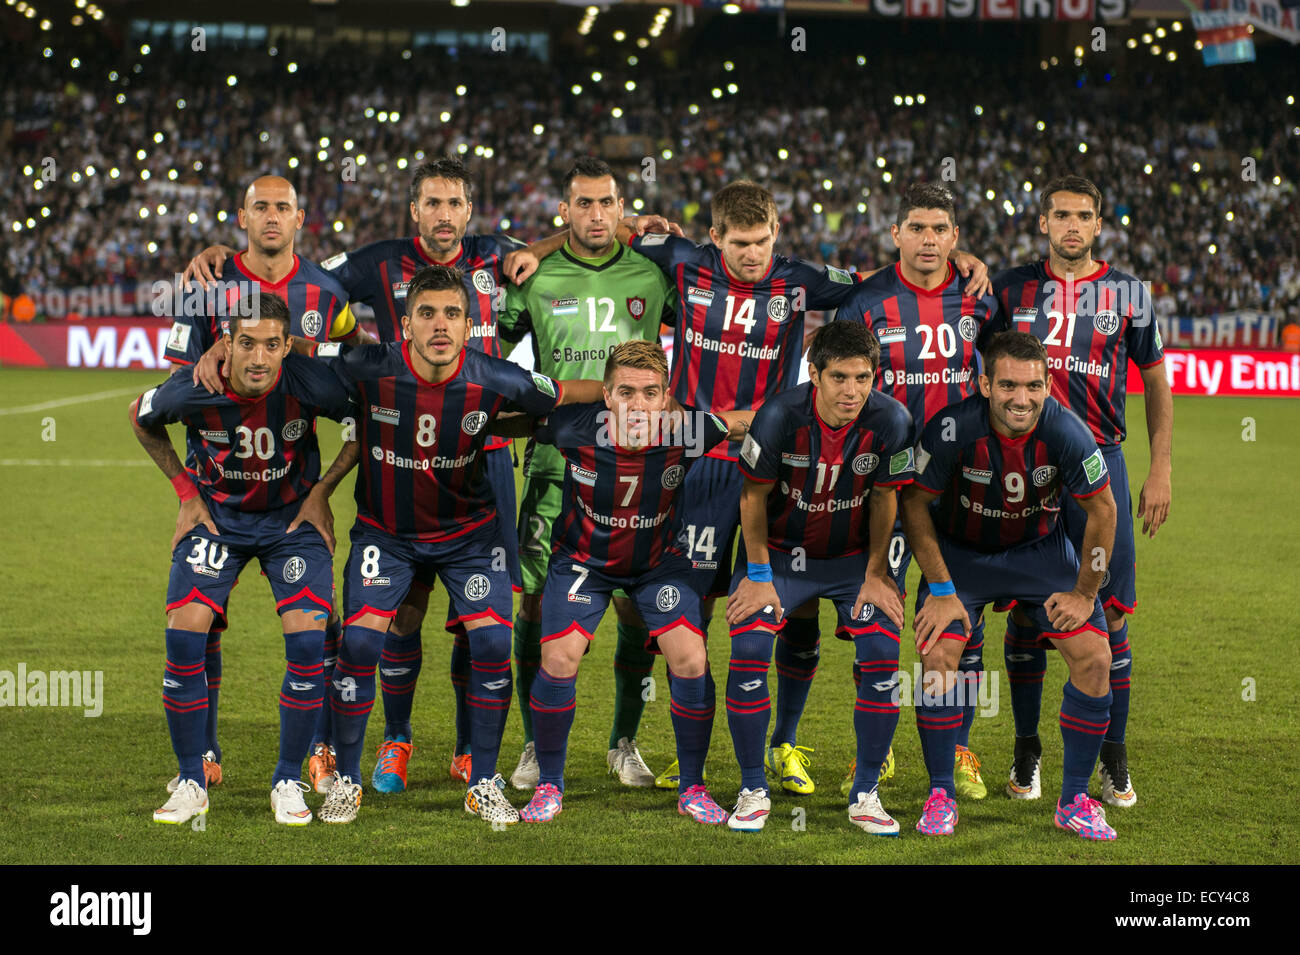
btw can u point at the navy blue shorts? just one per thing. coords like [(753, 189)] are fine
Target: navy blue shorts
[(1027, 574), (708, 514), (381, 568), (1119, 586), (206, 567), (499, 468), (838, 579), (575, 597)]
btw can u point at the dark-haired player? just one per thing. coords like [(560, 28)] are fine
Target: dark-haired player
[(424, 508), (1092, 319), (821, 464), (580, 303), (252, 458), (926, 318), (981, 516), (625, 459)]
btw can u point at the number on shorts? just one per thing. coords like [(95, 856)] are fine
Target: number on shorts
[(704, 543), (370, 561), (214, 558), (582, 578), (425, 435), (897, 545)]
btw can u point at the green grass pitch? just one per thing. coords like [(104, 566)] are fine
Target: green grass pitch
[(84, 563)]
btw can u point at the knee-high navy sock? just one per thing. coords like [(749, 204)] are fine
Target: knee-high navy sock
[(352, 695), (938, 719), (301, 694), (749, 707), (692, 715), (1083, 725), (399, 668), (324, 731), (797, 651), (1026, 665), (212, 668), (459, 687), (875, 712), (553, 702), (488, 696), (1121, 672), (970, 670), (185, 699)]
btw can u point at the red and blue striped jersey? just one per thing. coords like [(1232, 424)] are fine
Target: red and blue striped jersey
[(252, 454), (928, 358), (997, 492), (314, 297), (378, 274), (737, 344), (1090, 327), (421, 470), (825, 474), (620, 503)]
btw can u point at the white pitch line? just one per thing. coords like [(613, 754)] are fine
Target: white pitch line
[(75, 400), (71, 463)]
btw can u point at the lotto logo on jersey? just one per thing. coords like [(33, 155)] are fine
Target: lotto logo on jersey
[(796, 460), (564, 306), (699, 296), (399, 289), (887, 336), (293, 570), (977, 475), (311, 323), (667, 598), (1024, 315), (477, 587), (294, 430), (386, 415), (582, 475), (213, 437)]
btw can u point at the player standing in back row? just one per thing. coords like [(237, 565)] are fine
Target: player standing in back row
[(580, 303), (1092, 319), (927, 319)]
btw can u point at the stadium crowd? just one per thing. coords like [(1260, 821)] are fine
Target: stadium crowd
[(834, 147)]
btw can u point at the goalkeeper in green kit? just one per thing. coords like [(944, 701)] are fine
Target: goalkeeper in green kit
[(581, 302)]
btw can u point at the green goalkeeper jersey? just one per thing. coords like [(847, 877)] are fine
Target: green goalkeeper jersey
[(577, 310)]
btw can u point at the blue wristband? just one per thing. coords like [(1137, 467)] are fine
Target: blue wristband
[(945, 589), (760, 573)]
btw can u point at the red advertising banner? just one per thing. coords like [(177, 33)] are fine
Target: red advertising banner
[(1260, 374), (94, 343)]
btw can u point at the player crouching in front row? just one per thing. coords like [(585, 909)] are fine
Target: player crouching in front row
[(626, 460), (256, 457), (982, 516), (837, 449)]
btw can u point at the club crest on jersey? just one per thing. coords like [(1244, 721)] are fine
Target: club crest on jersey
[(214, 437), (1024, 315), (636, 307), (865, 463), (473, 422), (699, 296), (483, 282), (544, 384), (564, 306), (977, 476), (966, 328), (311, 323), (1043, 476), (477, 587), (887, 336), (386, 415), (778, 308), (672, 477), (294, 430), (294, 568), (1106, 321), (582, 475), (796, 460), (667, 598)]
